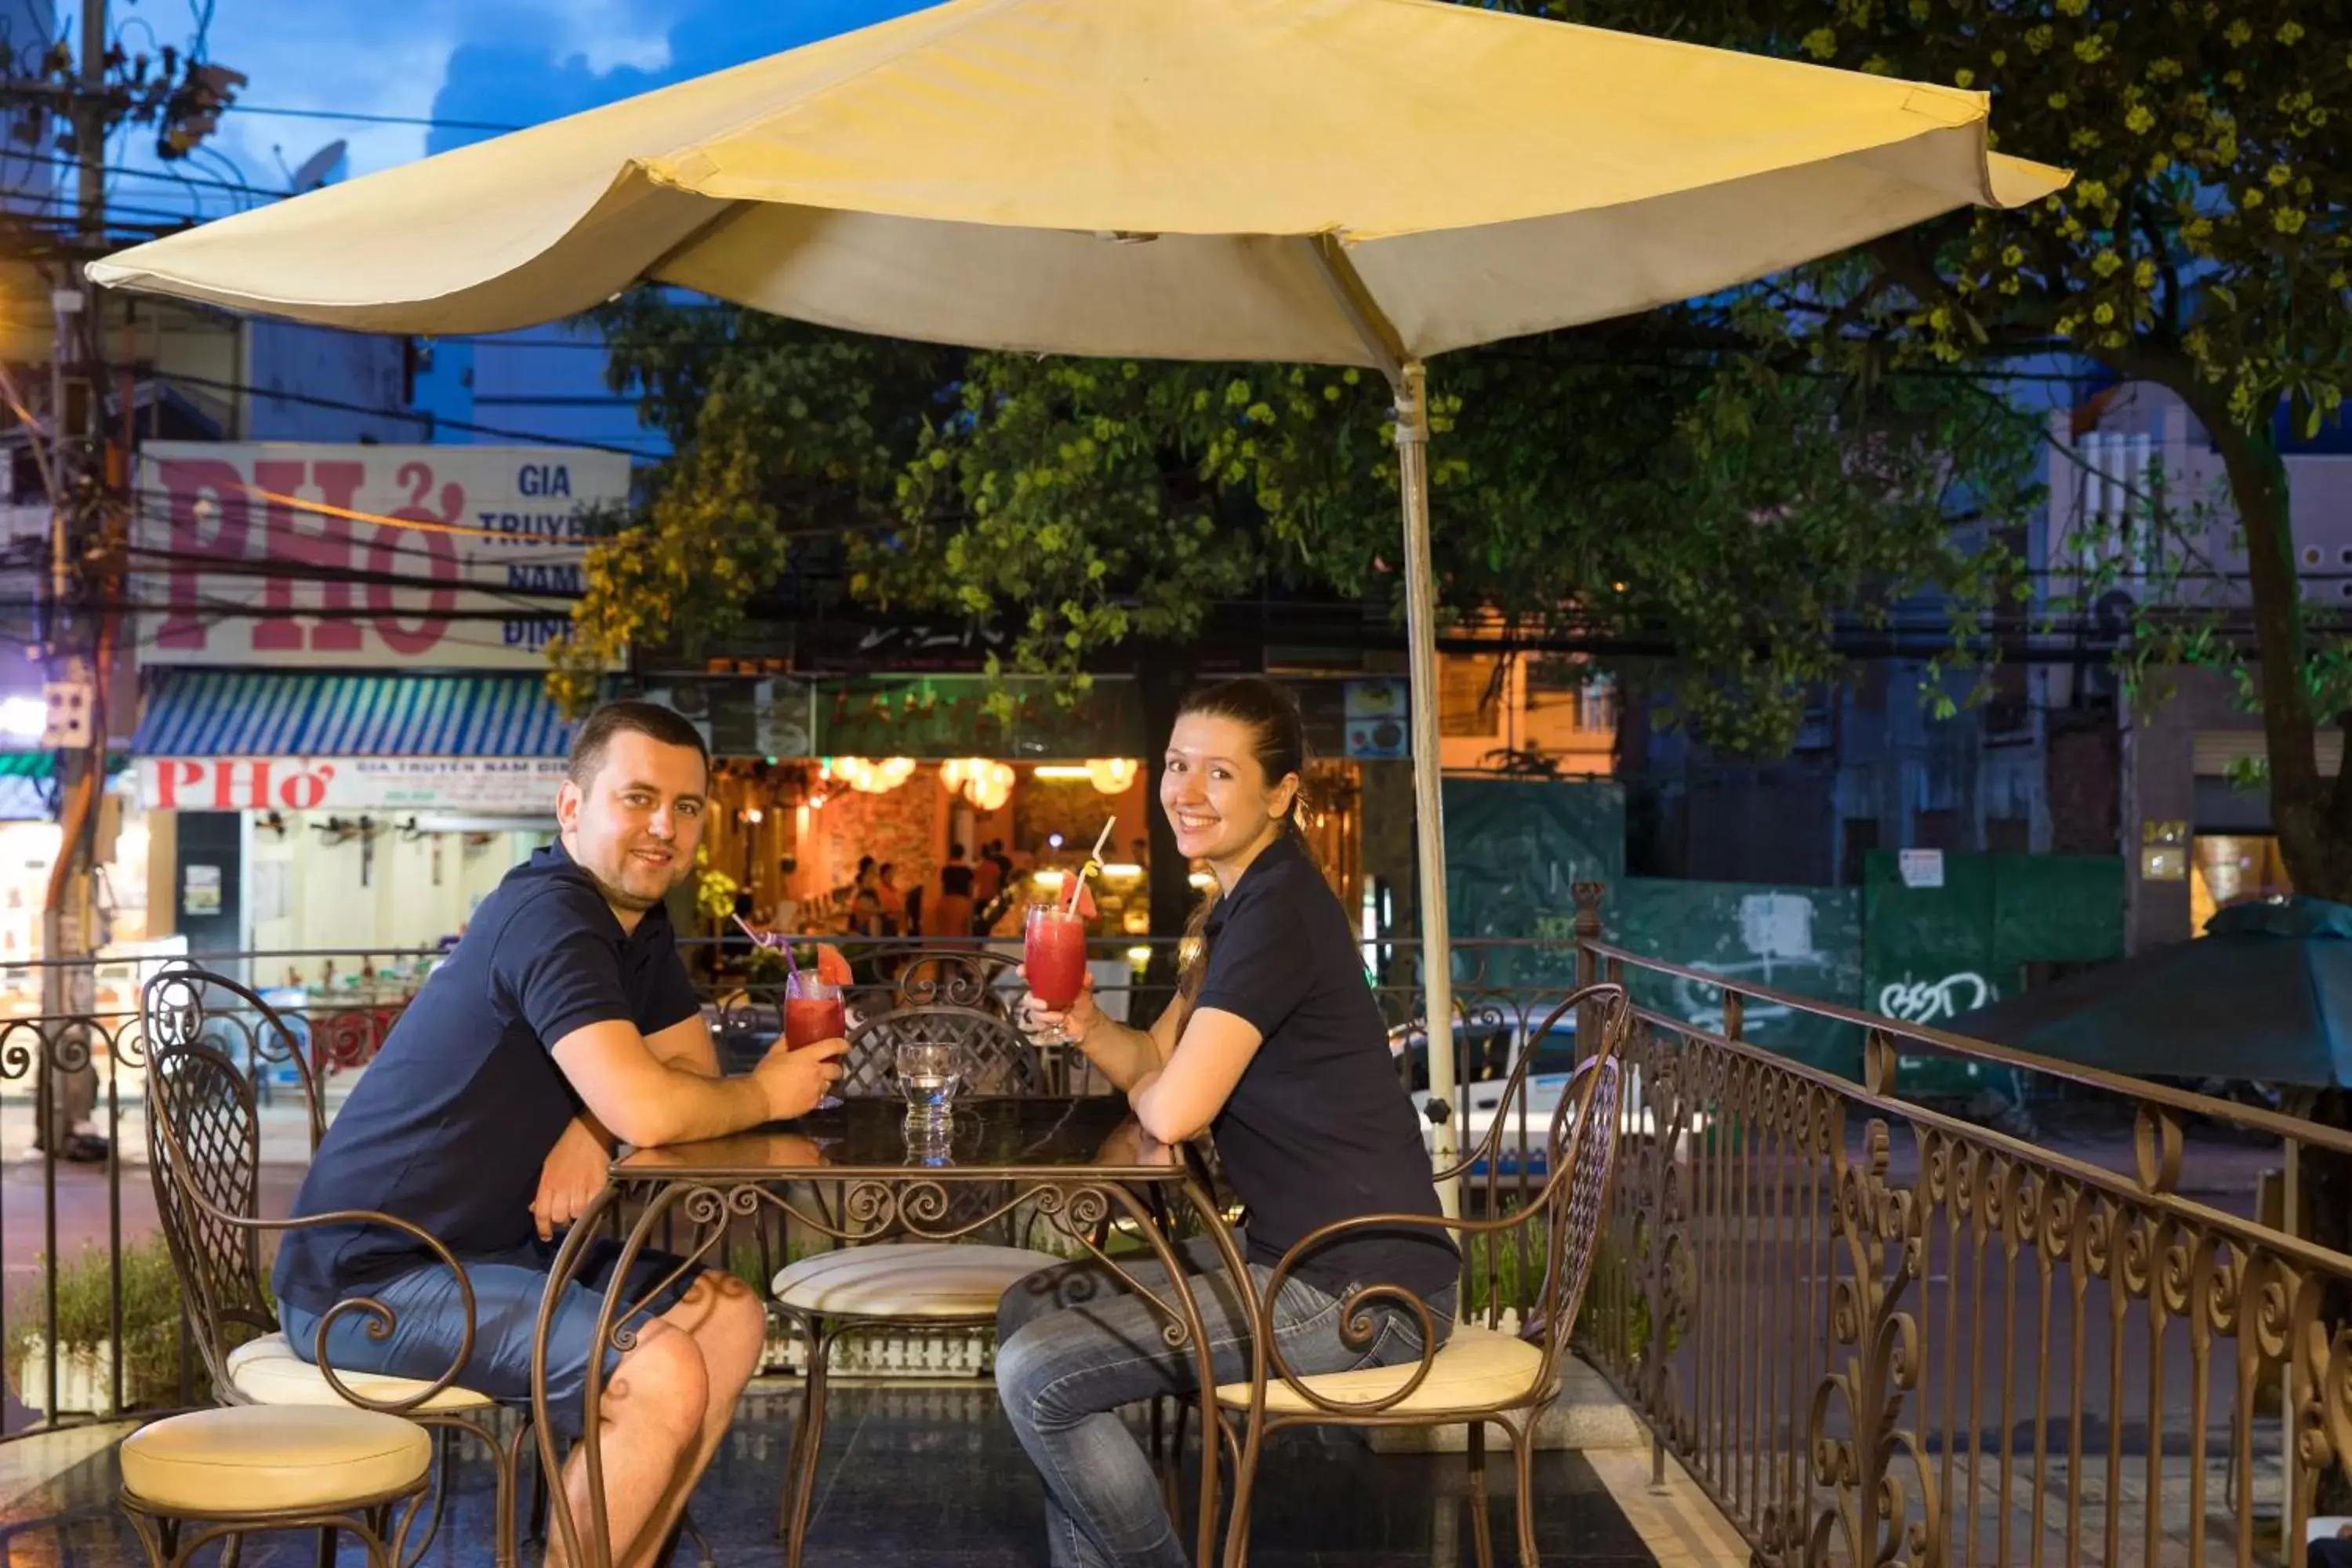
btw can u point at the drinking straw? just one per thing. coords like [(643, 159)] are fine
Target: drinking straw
[(791, 968), (1094, 858)]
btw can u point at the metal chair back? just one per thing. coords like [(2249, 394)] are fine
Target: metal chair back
[(204, 1148), (998, 1059)]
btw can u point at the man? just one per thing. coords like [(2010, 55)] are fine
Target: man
[(563, 1018)]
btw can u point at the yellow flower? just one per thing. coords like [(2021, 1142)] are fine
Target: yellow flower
[(2288, 220), (2279, 175), (2103, 313), (1820, 43), (2144, 273), (1963, 76), (2091, 50), (2013, 256), (2057, 100), (2140, 120), (2107, 264), (2290, 33), (2238, 34)]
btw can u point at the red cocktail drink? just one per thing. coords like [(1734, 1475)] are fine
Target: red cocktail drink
[(1055, 958), (814, 1011), (808, 1019)]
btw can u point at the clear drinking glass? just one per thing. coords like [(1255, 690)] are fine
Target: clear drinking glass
[(929, 1072)]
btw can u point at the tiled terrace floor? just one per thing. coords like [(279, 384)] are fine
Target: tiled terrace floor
[(916, 1476)]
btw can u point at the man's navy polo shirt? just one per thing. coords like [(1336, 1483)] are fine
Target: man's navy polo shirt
[(452, 1123), (1319, 1129)]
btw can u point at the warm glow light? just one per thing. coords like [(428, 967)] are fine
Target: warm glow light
[(870, 777), (25, 715), (801, 819), (754, 815), (1111, 775), (1125, 870), (1063, 770), (988, 785), (1202, 880), (1047, 879), (1138, 956)]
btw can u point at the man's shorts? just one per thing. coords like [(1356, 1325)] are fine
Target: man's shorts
[(430, 1323)]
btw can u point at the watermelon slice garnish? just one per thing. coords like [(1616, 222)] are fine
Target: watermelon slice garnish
[(1087, 909), (831, 967)]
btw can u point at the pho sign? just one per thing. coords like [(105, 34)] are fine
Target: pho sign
[(364, 556), (497, 786)]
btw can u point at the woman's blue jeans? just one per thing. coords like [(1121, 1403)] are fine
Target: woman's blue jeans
[(1074, 1346)]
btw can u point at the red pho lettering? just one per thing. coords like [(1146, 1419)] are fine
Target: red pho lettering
[(207, 520), (319, 540), (390, 553)]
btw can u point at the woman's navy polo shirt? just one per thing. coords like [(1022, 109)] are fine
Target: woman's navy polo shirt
[(1319, 1129), (451, 1123)]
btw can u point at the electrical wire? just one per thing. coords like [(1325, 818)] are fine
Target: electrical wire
[(355, 117)]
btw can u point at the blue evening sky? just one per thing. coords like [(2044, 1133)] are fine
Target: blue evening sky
[(502, 61)]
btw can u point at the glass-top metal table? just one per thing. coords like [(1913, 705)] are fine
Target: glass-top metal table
[(1075, 1164)]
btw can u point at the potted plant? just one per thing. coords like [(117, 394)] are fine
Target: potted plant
[(86, 1350)]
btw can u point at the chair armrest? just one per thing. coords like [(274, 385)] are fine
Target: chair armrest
[(382, 1320)]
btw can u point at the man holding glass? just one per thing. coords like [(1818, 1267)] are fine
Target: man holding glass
[(562, 1019)]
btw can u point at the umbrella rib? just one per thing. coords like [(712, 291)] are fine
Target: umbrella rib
[(1363, 312), (728, 212)]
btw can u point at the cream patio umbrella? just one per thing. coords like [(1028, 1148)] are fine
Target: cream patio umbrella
[(1341, 182)]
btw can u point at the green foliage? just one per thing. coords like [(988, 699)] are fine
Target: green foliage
[(2205, 245), (152, 1303), (1719, 506)]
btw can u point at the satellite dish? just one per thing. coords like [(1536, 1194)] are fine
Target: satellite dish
[(319, 167)]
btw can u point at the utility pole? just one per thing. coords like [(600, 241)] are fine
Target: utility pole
[(90, 120), (80, 645)]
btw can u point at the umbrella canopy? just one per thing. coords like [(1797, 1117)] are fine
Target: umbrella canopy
[(1353, 181), (1139, 177), (2266, 994)]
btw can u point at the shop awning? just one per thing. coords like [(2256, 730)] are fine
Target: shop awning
[(213, 713)]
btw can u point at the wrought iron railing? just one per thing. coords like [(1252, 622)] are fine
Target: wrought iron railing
[(1878, 1332)]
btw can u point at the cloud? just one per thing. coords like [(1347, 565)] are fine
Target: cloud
[(518, 77)]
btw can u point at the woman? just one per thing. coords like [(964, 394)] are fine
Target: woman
[(864, 900), (1276, 1047)]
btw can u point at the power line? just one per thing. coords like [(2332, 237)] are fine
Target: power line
[(210, 181), (425, 419), (355, 117)]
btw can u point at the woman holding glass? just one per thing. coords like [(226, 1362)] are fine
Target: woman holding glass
[(1276, 1048)]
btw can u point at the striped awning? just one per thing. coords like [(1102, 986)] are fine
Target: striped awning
[(215, 714)]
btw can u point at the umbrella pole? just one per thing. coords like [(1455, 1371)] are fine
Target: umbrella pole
[(1409, 383), (1428, 757)]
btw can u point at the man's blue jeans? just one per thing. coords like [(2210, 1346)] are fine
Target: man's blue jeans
[(1074, 1346)]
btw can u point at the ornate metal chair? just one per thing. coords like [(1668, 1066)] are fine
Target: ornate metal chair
[(204, 1139), (1482, 1374), (883, 1282)]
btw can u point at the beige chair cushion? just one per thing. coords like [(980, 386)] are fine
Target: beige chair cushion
[(251, 1460), (909, 1279), (1475, 1368), (268, 1372)]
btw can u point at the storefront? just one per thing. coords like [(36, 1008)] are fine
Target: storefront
[(29, 842), (297, 812), (345, 741)]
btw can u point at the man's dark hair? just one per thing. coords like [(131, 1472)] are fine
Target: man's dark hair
[(666, 725)]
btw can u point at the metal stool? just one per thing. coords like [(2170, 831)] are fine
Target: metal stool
[(212, 1475)]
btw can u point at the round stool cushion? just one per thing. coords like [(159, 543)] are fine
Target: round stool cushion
[(258, 1460), (912, 1280)]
